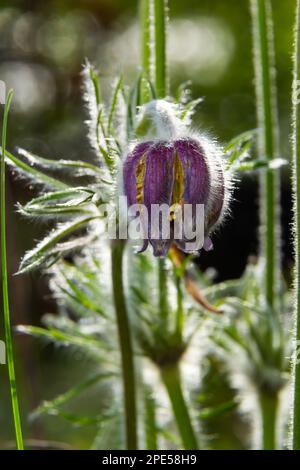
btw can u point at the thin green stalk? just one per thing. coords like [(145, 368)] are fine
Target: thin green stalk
[(296, 192), (146, 37), (146, 51), (160, 63), (125, 340), (162, 293), (172, 380), (269, 405), (180, 312), (7, 325), (263, 47), (151, 433)]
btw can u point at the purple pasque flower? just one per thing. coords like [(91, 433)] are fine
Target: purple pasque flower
[(175, 172)]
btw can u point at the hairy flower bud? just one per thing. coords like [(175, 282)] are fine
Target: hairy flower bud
[(176, 171)]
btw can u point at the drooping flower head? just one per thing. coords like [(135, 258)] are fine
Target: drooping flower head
[(176, 168)]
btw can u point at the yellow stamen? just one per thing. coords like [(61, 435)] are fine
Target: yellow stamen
[(140, 177), (178, 188)]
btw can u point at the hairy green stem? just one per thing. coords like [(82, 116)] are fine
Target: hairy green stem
[(263, 48), (296, 191), (7, 324), (160, 64), (172, 380), (145, 21), (126, 348), (145, 37), (269, 405)]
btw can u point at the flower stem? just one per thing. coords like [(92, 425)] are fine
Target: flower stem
[(263, 47), (145, 36), (179, 312), (296, 192), (160, 70), (172, 381), (7, 325), (146, 52), (269, 413), (162, 293), (125, 340), (151, 427)]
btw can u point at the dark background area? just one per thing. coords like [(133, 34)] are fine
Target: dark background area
[(43, 45)]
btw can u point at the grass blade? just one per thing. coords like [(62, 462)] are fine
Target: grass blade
[(7, 324), (295, 431)]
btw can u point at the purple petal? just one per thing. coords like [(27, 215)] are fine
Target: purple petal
[(216, 201), (159, 177), (129, 170), (208, 244), (182, 245), (158, 189), (196, 173), (187, 246), (161, 247), (143, 247)]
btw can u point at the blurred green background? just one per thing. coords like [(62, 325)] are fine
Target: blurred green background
[(43, 45)]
